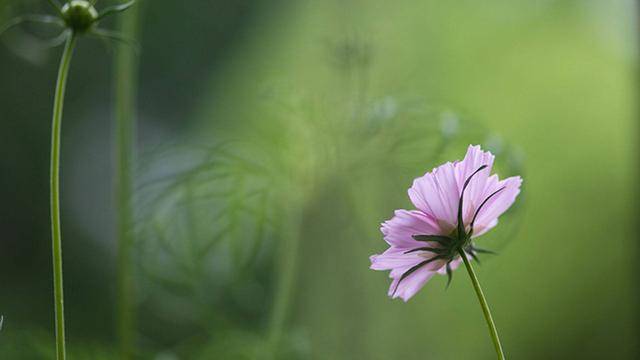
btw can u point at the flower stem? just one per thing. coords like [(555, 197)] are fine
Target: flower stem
[(56, 236), (287, 271), (125, 129), (485, 307)]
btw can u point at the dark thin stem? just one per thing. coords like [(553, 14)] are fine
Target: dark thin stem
[(429, 249), (461, 229), (32, 18), (58, 40), (473, 221), (125, 130), (115, 36), (56, 6), (56, 234), (483, 304), (115, 9)]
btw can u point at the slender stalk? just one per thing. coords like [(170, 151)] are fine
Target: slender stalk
[(56, 6), (56, 235), (125, 129), (483, 304), (287, 271)]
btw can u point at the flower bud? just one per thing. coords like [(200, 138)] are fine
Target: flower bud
[(79, 15)]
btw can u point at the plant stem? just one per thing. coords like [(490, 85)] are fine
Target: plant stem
[(56, 236), (483, 304), (56, 6), (125, 126), (287, 271)]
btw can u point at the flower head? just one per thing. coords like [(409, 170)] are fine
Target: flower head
[(455, 203), (79, 15), (73, 18)]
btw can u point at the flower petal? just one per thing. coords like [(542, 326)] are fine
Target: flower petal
[(411, 284), (399, 230), (474, 194), (497, 205), (437, 194), (390, 260)]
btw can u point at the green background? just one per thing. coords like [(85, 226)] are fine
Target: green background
[(339, 104)]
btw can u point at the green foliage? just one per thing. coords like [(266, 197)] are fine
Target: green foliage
[(217, 222), (296, 130)]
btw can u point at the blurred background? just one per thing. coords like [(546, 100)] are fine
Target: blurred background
[(273, 139)]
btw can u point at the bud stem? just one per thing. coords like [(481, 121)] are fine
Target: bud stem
[(483, 304), (56, 236), (126, 65)]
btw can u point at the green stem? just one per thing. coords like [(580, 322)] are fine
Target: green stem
[(484, 305), (125, 114), (56, 6), (56, 236), (288, 263)]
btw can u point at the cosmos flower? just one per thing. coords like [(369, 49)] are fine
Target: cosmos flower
[(456, 203)]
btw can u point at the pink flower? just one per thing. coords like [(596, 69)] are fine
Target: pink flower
[(456, 202)]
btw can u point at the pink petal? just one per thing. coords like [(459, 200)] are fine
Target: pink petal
[(497, 205), (390, 260), (411, 284), (436, 194), (399, 230), (474, 194)]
